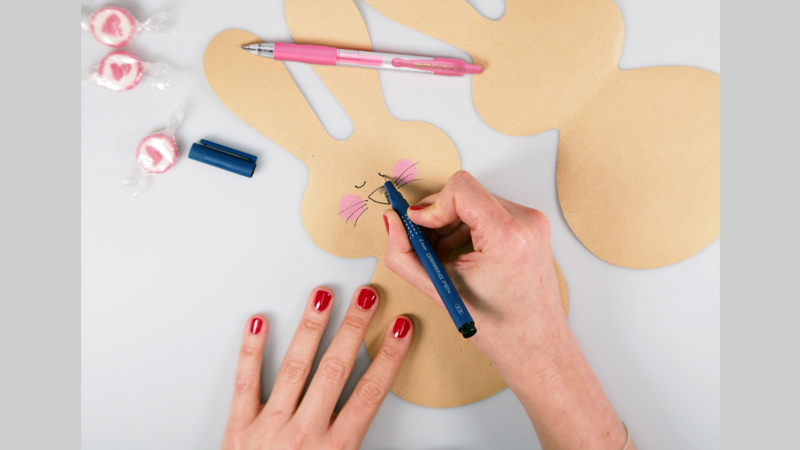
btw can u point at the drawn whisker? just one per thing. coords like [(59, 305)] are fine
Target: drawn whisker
[(358, 211), (402, 180), (409, 182), (362, 202), (400, 177), (359, 216)]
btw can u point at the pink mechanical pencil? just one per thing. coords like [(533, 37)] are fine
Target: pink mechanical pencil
[(329, 56)]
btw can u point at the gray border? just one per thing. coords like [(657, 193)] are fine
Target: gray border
[(760, 159), (41, 226)]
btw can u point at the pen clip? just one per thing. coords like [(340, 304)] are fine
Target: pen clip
[(229, 150)]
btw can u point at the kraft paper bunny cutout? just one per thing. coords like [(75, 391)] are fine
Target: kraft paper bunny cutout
[(341, 210), (638, 157)]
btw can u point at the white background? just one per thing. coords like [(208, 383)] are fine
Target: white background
[(169, 280)]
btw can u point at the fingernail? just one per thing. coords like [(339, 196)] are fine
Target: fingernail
[(386, 222), (255, 328), (322, 300), (401, 327), (416, 207), (366, 298)]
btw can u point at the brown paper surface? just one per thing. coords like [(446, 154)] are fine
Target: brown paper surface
[(441, 369), (638, 157)]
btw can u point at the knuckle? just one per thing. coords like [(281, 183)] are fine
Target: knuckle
[(391, 352), (462, 178), (332, 371), (273, 415), (354, 324), (388, 260), (539, 221), (337, 442), (293, 439), (248, 351), (310, 326), (518, 236), (245, 383), (544, 225), (391, 262), (294, 372), (371, 392)]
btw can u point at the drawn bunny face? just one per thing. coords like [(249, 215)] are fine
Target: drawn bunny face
[(352, 206), (638, 157)]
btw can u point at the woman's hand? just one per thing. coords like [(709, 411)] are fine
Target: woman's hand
[(285, 422), (510, 287), (508, 282)]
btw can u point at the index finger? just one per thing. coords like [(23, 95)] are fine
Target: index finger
[(464, 198), (247, 389), (352, 422)]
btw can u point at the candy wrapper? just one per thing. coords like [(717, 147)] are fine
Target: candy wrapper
[(116, 27), (155, 154), (123, 71)]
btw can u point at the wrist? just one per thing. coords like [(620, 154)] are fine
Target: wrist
[(547, 352), (562, 396)]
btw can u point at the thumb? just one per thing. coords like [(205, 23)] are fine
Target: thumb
[(401, 259)]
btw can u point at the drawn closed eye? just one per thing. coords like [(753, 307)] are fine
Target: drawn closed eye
[(362, 185)]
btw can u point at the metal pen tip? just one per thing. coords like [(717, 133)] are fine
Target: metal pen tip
[(263, 49)]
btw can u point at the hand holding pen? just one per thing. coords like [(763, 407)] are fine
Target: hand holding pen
[(510, 287)]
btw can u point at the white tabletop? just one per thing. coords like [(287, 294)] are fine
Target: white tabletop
[(168, 280)]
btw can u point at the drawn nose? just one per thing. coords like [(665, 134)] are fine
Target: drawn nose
[(379, 196)]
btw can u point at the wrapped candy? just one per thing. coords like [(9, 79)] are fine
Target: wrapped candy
[(155, 154), (122, 71), (115, 27)]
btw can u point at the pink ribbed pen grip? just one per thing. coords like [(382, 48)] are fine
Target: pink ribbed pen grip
[(309, 54)]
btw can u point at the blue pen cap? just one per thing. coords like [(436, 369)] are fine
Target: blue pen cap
[(223, 157)]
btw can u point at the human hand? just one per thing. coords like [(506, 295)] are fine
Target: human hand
[(312, 424), (510, 287), (509, 282)]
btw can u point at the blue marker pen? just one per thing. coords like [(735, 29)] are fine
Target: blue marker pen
[(441, 281)]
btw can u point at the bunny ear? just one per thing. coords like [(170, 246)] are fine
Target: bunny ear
[(337, 23), (540, 60), (333, 23), (261, 91), (452, 21)]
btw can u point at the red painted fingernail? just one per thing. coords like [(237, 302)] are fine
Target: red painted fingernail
[(416, 207), (401, 327), (322, 300), (366, 298), (255, 328), (386, 222)]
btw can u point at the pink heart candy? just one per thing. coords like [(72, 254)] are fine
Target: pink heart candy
[(154, 154), (112, 26), (119, 71)]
